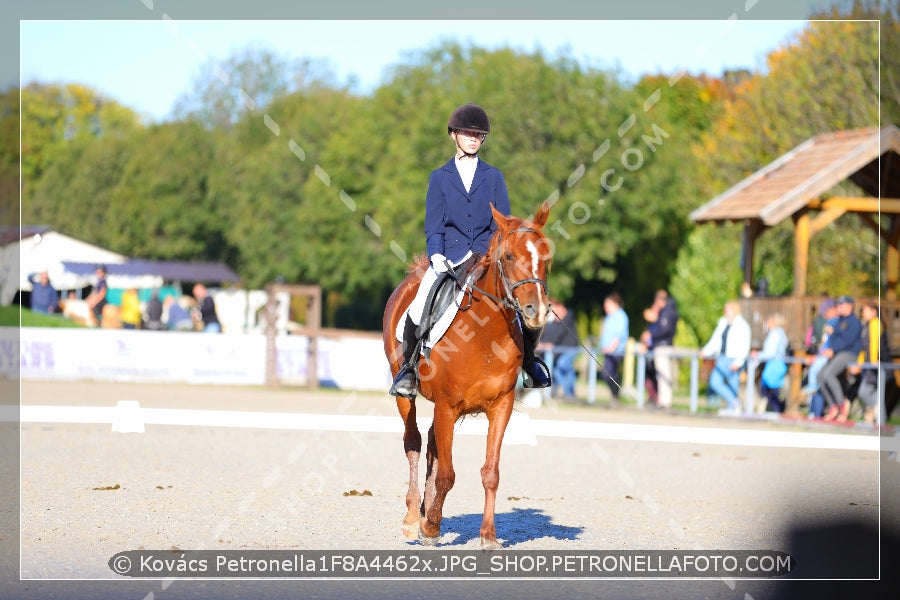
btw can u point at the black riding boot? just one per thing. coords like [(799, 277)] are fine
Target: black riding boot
[(406, 383), (536, 373)]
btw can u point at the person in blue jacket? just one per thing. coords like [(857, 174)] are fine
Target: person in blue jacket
[(43, 295), (458, 226)]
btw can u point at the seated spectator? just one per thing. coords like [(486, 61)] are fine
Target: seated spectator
[(874, 348), (773, 354), (844, 344), (178, 319), (730, 346), (817, 341), (815, 330)]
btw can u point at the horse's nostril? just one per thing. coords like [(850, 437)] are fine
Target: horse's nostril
[(529, 310)]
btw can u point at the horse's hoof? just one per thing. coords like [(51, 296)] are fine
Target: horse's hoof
[(487, 544), (426, 540), (410, 531)]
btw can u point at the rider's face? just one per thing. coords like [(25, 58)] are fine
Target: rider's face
[(468, 141)]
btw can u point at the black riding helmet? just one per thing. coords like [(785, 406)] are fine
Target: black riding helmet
[(470, 117)]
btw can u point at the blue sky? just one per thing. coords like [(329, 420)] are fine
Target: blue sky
[(147, 64)]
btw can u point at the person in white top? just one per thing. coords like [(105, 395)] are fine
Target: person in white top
[(729, 344)]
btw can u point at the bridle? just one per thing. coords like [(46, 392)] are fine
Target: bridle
[(508, 286), (510, 301)]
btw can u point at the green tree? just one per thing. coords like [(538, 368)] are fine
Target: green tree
[(272, 185), (9, 158), (160, 207), (888, 13), (56, 116), (223, 92)]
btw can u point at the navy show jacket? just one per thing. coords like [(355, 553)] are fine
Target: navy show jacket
[(457, 221)]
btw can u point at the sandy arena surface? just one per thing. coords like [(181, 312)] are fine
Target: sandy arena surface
[(88, 492)]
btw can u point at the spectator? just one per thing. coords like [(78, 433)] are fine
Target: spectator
[(613, 340), (814, 335), (662, 317), (773, 354), (730, 346), (178, 319), (43, 295), (874, 348), (560, 338), (96, 300), (130, 309), (207, 308), (817, 340), (154, 312), (843, 348)]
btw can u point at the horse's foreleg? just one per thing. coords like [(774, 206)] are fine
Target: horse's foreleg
[(440, 476), (490, 473), (412, 446), (430, 471)]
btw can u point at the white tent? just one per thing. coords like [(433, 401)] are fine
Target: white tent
[(23, 259)]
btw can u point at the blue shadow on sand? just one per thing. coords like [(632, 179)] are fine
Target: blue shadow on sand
[(514, 527)]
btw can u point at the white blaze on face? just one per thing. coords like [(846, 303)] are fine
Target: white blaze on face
[(535, 261)]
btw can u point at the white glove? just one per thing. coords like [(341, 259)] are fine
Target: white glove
[(439, 263)]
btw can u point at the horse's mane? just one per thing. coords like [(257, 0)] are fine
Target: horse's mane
[(420, 261)]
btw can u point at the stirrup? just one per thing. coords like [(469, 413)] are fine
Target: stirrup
[(405, 384), (536, 374)]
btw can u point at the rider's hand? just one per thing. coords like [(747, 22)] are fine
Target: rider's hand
[(439, 263)]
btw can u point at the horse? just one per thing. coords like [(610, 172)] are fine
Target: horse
[(473, 368)]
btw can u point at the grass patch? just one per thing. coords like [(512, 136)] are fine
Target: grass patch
[(9, 317)]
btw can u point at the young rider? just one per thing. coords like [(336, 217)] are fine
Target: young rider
[(459, 225)]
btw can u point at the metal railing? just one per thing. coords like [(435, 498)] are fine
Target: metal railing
[(750, 387)]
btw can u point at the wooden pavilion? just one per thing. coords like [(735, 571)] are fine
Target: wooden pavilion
[(797, 186)]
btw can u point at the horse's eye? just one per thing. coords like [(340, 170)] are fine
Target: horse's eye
[(509, 256)]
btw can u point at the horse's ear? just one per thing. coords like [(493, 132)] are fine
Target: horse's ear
[(541, 218), (499, 217)]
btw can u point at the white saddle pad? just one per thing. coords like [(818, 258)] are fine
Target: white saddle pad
[(442, 324)]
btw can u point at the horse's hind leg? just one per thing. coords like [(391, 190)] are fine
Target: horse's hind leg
[(412, 446)]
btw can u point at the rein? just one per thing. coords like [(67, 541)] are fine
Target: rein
[(585, 347), (509, 301)]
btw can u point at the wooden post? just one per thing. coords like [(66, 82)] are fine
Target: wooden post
[(801, 251), (271, 334), (891, 267), (892, 260), (314, 323), (312, 328), (752, 230), (747, 254)]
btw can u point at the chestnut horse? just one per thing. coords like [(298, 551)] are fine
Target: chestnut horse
[(473, 368)]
